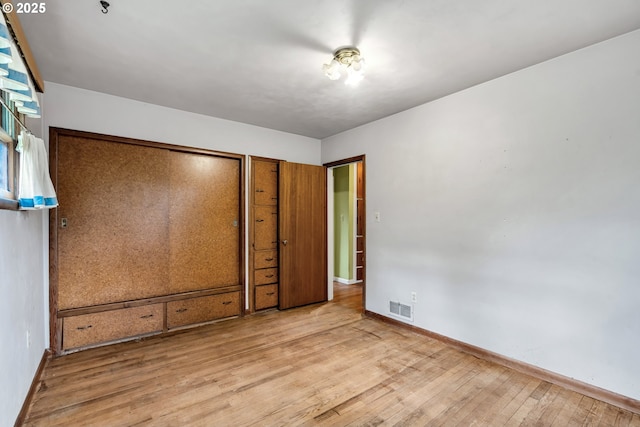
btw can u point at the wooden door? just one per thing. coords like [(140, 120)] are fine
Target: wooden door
[(204, 229), (303, 236), (113, 223)]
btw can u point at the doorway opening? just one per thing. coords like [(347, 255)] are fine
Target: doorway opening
[(346, 235)]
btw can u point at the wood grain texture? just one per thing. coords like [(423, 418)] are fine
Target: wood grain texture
[(265, 183), (302, 219), (265, 227), (115, 246), (265, 259), (318, 365), (35, 384), (116, 276), (265, 276), (96, 328), (544, 375), (205, 222), (203, 309), (266, 296), (360, 217), (146, 301), (360, 179)]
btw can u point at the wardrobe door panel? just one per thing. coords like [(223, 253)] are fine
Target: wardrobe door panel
[(204, 222), (113, 222), (265, 227), (265, 176)]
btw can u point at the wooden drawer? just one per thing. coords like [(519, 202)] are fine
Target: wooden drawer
[(265, 183), (202, 309), (266, 296), (87, 329), (266, 276), (265, 259)]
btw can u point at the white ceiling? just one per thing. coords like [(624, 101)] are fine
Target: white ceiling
[(259, 61)]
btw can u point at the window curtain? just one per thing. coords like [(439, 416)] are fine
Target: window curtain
[(35, 189)]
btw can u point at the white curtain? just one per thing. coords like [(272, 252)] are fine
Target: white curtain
[(35, 189)]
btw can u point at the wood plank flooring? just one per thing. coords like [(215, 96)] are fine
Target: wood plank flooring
[(321, 365)]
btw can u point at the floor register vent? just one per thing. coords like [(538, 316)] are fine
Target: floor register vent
[(400, 310)]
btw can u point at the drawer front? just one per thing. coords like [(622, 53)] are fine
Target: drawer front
[(95, 328), (265, 259), (266, 276), (266, 296), (265, 183), (202, 309)]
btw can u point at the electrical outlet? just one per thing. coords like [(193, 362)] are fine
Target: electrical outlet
[(414, 297)]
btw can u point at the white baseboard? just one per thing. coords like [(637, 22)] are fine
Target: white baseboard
[(346, 281)]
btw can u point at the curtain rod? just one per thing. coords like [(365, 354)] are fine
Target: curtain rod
[(4, 104)]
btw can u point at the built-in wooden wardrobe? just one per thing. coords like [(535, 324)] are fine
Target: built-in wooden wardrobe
[(287, 234), (263, 254), (147, 238)]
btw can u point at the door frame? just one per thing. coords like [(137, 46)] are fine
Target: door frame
[(330, 223)]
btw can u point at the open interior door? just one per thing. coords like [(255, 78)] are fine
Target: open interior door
[(303, 235)]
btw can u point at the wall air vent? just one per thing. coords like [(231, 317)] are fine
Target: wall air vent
[(402, 311)]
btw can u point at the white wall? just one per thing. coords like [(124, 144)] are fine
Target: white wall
[(21, 307), (513, 210), (72, 108), (23, 257)]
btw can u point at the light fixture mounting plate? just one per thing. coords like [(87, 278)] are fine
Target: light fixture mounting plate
[(345, 55)]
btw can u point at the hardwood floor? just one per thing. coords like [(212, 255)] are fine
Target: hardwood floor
[(317, 365)]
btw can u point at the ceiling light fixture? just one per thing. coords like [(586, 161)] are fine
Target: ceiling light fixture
[(346, 60), (105, 6)]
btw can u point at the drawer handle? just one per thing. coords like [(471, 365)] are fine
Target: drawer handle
[(274, 198), (259, 220), (269, 276), (270, 293), (146, 316), (259, 191), (181, 310), (227, 302), (269, 259), (82, 328)]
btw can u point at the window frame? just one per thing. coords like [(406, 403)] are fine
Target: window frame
[(8, 137)]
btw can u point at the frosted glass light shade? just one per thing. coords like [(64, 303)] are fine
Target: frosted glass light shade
[(332, 70), (346, 61)]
